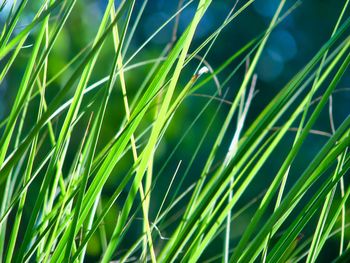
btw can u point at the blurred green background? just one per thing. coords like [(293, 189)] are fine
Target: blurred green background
[(289, 48)]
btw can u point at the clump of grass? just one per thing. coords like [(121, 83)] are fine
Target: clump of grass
[(60, 164)]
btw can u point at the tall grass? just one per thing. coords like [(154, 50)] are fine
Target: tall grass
[(56, 162)]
